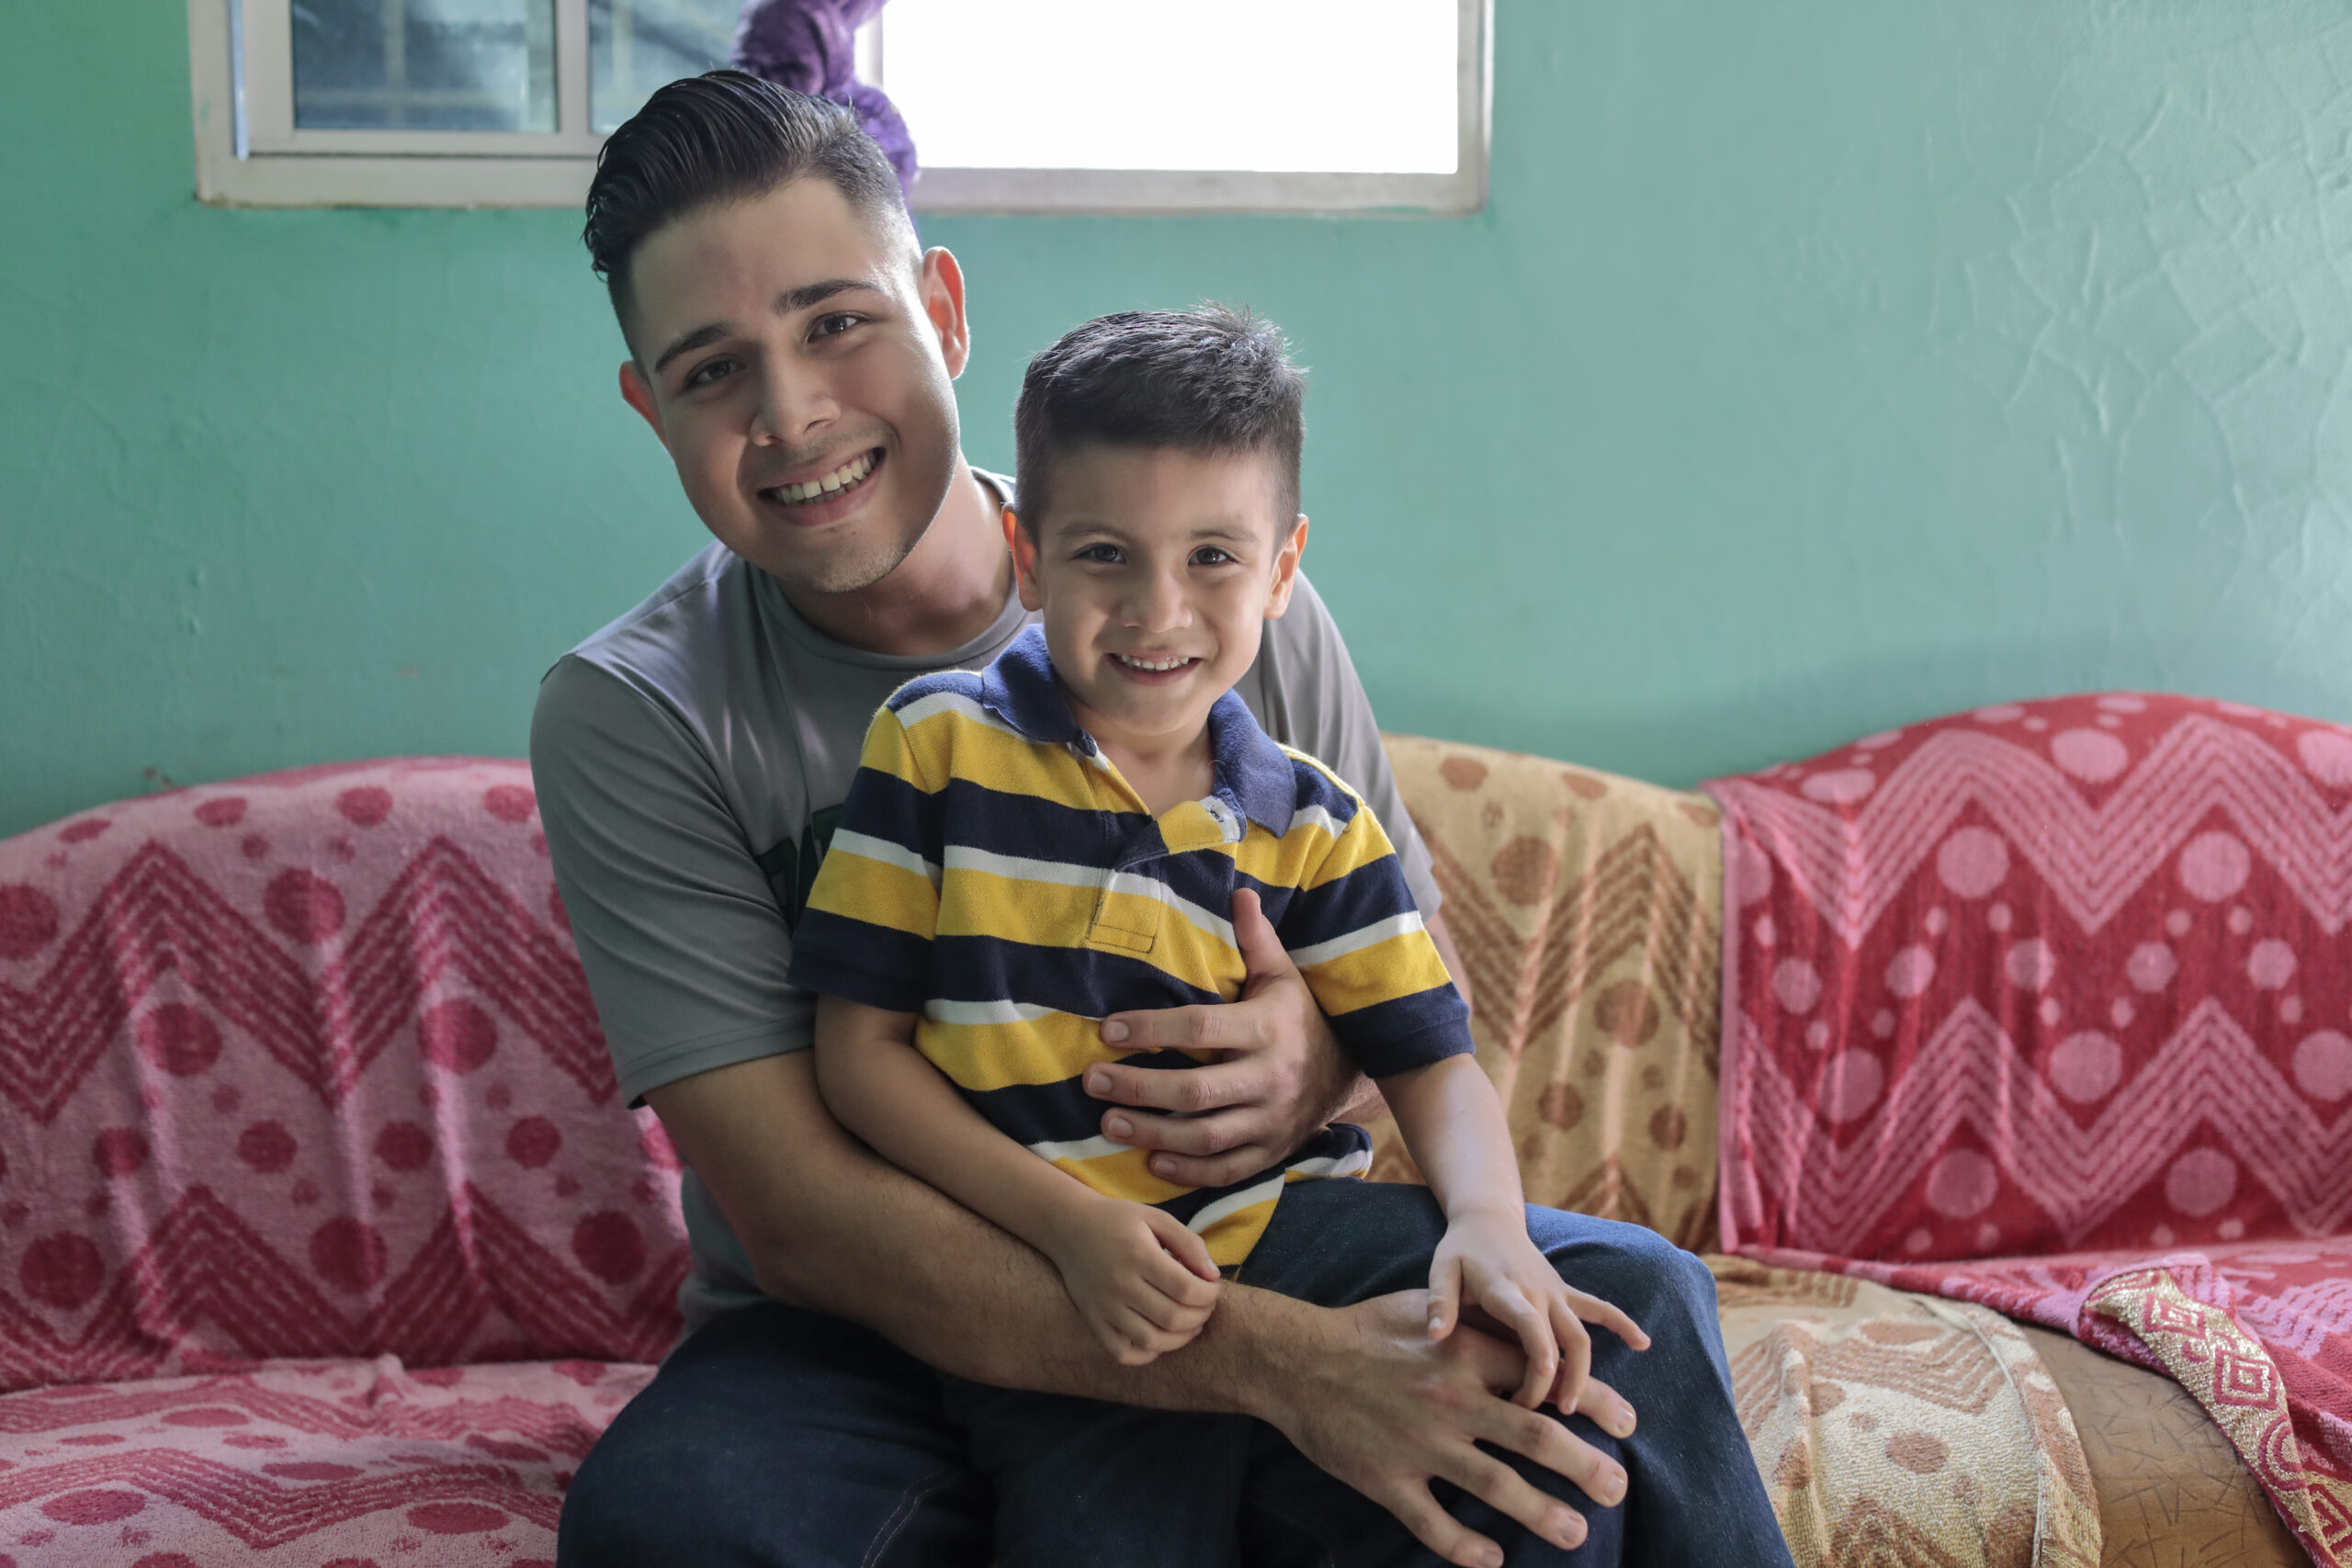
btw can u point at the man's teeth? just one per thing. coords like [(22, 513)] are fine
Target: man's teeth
[(840, 479), (1157, 665)]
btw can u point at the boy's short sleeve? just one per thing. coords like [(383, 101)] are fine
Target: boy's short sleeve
[(1359, 943), (867, 933)]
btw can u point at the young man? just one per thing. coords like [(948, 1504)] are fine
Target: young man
[(1070, 833), (784, 329)]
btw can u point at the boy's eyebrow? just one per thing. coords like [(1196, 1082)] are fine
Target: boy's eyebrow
[(789, 302)]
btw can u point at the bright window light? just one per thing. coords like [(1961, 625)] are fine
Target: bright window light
[(1339, 86)]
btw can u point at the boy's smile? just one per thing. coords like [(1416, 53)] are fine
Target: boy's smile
[(1157, 569)]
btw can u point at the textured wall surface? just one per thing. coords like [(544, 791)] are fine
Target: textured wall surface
[(1817, 364)]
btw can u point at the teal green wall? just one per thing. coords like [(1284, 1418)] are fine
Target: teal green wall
[(1817, 364)]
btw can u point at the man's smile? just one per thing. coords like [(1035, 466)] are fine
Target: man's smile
[(830, 494)]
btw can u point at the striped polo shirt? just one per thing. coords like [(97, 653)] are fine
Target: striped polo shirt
[(994, 874)]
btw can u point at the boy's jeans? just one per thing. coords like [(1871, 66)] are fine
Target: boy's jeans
[(781, 1437)]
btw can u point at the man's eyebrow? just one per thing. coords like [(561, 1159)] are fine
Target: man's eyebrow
[(789, 302)]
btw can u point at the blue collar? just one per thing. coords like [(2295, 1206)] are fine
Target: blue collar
[(1253, 775)]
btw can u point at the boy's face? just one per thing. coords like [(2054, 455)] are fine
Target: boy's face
[(789, 339), (1156, 570)]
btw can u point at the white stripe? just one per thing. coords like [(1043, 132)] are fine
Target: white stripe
[(1233, 1204), (1350, 1163), (1152, 888), (866, 847), (1362, 937), (963, 857), (1311, 815), (937, 703), (939, 1010), (1077, 1148)]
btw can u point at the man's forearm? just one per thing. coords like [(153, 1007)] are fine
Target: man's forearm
[(831, 1227)]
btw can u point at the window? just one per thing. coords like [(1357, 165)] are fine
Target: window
[(1014, 105)]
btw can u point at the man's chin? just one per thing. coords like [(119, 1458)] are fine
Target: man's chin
[(850, 568)]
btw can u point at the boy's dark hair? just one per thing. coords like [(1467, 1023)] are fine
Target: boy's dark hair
[(1207, 380), (717, 137)]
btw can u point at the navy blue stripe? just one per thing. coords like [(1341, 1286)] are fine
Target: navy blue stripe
[(1404, 1032), (840, 957), (966, 682), (883, 806), (1364, 896), (1314, 788), (1005, 822), (1059, 1112), (1080, 980)]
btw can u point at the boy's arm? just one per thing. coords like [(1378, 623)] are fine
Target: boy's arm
[(1144, 1283)]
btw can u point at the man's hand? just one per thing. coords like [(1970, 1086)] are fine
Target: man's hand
[(1282, 1074), (1142, 1281), (1377, 1403)]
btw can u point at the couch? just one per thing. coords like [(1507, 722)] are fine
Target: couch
[(325, 1239)]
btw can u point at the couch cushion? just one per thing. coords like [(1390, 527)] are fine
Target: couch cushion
[(1587, 910), (303, 1463), (1898, 1429), (2172, 1493), (304, 1065)]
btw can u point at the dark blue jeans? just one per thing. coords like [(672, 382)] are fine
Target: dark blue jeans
[(778, 1436)]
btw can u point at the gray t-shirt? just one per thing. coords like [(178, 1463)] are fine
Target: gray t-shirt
[(691, 759)]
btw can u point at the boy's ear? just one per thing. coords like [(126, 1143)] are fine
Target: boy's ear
[(1024, 561), (1286, 570), (638, 396)]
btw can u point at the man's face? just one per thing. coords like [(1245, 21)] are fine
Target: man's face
[(798, 362), (1156, 570)]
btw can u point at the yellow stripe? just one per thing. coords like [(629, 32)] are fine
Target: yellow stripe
[(1123, 1175), (1050, 914), (951, 741), (1230, 1240), (1046, 1050), (877, 892), (888, 749), (1404, 964)]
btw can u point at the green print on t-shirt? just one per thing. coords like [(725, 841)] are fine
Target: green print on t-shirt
[(791, 866)]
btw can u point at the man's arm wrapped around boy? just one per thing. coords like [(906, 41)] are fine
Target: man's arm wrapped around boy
[(1360, 944)]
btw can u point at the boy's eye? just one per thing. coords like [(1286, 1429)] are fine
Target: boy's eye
[(1210, 555), (1101, 555)]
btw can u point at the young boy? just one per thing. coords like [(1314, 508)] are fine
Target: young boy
[(1073, 832)]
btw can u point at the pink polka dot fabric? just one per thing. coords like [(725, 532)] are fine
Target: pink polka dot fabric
[(303, 1069), (2025, 1002)]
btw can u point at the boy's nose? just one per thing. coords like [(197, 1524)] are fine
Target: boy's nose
[(1158, 605)]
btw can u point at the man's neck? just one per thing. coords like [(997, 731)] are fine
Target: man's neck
[(950, 589)]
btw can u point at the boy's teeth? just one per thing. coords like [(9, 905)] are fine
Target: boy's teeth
[(1160, 665), (840, 479)]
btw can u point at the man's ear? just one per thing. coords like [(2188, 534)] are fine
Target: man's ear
[(638, 396), (1286, 570), (941, 285), (1024, 561)]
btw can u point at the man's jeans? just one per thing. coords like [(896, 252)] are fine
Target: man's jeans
[(776, 1435)]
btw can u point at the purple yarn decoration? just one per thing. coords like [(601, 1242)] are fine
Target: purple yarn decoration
[(810, 46)]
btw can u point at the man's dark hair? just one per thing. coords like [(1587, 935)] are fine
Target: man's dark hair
[(1207, 380), (717, 137)]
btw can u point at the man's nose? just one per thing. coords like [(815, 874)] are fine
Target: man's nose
[(793, 402)]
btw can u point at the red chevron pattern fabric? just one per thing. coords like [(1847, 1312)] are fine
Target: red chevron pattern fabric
[(2049, 1006), (303, 1463), (303, 1066)]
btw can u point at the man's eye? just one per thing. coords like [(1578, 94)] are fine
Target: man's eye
[(703, 375), (836, 324)]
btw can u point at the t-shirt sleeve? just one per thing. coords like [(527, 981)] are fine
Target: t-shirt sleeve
[(1320, 707), (686, 951), (1360, 944), (867, 933)]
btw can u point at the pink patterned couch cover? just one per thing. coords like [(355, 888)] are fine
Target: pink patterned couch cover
[(322, 1238), (2048, 1007)]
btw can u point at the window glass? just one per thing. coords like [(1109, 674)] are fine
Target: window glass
[(635, 46), (424, 64), (1329, 85)]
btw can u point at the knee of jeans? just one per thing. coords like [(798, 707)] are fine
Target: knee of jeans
[(1657, 1283)]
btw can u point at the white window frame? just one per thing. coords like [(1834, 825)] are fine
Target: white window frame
[(249, 153)]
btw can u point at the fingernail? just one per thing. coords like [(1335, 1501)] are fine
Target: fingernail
[(1121, 1128), (1098, 1084), (1622, 1418), (1114, 1032), (1613, 1489)]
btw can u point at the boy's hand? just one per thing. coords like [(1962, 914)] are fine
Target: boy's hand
[(1486, 1258), (1142, 1281)]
